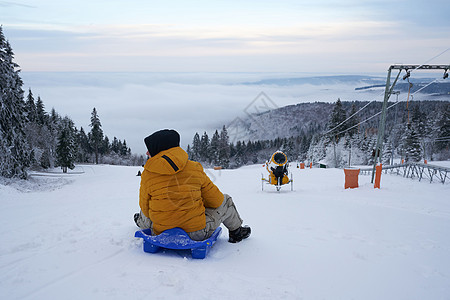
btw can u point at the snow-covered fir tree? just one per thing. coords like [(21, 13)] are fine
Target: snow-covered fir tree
[(66, 147), (204, 148), (353, 122), (29, 135), (31, 107), (442, 134), (335, 123), (411, 145), (15, 153), (42, 116), (195, 150), (45, 159), (96, 134), (224, 148), (239, 156), (213, 150), (83, 146)]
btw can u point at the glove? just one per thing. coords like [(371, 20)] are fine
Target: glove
[(136, 217)]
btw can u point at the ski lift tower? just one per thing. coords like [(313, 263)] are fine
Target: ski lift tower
[(389, 91)]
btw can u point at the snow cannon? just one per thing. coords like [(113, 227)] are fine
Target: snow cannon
[(278, 170)]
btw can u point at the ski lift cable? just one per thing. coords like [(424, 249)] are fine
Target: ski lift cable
[(431, 59), (398, 102), (442, 138), (425, 86), (434, 57), (370, 102), (378, 113), (348, 118)]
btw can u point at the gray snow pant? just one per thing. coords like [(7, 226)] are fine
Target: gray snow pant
[(226, 213)]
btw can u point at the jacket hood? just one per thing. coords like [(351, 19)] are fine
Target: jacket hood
[(162, 140), (167, 162)]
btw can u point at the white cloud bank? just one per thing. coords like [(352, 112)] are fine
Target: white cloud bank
[(133, 105)]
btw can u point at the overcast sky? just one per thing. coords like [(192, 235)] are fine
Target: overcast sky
[(260, 37), (229, 35)]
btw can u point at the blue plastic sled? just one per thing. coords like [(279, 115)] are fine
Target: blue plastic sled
[(177, 238)]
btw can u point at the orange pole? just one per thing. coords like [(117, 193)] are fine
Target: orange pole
[(377, 176), (310, 165)]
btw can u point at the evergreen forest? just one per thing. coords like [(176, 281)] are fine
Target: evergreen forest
[(32, 138), (336, 134)]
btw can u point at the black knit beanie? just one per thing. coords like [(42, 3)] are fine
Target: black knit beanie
[(162, 140)]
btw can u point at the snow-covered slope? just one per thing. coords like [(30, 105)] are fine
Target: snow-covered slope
[(72, 237)]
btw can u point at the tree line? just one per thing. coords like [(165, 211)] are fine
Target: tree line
[(31, 138), (219, 151), (418, 133), (422, 132)]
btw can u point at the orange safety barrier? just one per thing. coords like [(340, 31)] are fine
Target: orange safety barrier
[(310, 165), (377, 176), (217, 168), (302, 165), (351, 178), (425, 161)]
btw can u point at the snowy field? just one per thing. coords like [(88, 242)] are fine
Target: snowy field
[(72, 237)]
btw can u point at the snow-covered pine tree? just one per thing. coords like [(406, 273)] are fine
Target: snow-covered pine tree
[(31, 107), (386, 153), (232, 150), (125, 150), (420, 124), (32, 129), (304, 145), (189, 151), (251, 152), (353, 122), (316, 151), (214, 149), (196, 146), (114, 145), (411, 145), (224, 148), (54, 125), (44, 161), (15, 156), (204, 148), (42, 116), (105, 146), (66, 147), (248, 152), (240, 149), (83, 149), (442, 141), (289, 148), (338, 115), (96, 133)]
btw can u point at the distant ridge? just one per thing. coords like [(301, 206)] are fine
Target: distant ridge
[(311, 118)]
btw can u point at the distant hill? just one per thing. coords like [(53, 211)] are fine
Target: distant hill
[(310, 118)]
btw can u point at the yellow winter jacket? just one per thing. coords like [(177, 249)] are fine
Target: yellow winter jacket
[(175, 191)]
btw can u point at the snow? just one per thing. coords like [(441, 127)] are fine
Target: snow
[(72, 236)]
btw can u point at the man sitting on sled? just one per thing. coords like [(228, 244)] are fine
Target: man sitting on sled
[(176, 192)]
